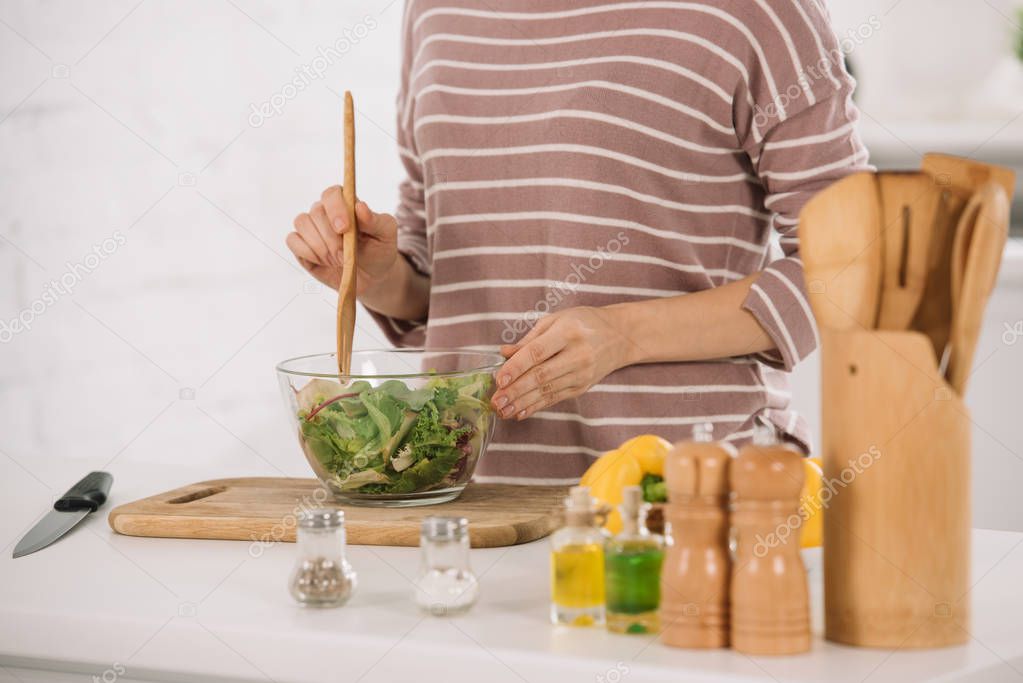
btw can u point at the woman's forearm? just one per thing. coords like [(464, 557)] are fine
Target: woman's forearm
[(699, 326), (403, 293)]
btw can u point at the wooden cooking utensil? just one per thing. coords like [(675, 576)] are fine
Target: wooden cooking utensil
[(346, 291), (976, 258), (958, 178), (909, 205), (934, 315), (963, 176), (842, 252)]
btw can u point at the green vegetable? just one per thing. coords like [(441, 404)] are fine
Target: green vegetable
[(394, 439), (654, 488)]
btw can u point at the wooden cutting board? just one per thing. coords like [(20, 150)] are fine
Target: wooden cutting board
[(264, 509)]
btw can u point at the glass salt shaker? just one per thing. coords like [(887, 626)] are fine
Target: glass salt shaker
[(322, 576), (446, 584)]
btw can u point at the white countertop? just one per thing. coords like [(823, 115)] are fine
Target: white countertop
[(96, 604)]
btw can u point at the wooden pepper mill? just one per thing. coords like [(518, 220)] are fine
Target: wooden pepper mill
[(697, 566), (769, 594)]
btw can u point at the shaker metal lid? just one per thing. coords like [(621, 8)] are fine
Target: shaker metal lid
[(445, 528), (321, 518)]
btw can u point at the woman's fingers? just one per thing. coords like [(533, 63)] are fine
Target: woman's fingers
[(543, 378), (306, 229), (543, 396), (333, 200), (378, 225), (542, 342), (319, 215), (302, 251)]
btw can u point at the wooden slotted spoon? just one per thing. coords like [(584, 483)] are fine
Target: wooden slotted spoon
[(909, 204), (346, 291)]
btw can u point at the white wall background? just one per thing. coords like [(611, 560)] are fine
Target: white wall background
[(133, 118)]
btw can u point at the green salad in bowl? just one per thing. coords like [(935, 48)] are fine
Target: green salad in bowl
[(384, 437)]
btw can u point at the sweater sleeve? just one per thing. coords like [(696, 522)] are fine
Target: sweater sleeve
[(411, 212), (797, 123)]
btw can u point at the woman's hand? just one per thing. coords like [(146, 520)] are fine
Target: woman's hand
[(565, 354), (316, 242)]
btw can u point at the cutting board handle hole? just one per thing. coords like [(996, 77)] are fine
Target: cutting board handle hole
[(197, 495)]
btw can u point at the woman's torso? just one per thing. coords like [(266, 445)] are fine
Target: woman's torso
[(573, 156)]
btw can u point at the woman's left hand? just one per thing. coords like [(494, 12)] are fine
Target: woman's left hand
[(564, 354)]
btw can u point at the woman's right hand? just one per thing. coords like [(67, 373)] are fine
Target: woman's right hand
[(317, 245)]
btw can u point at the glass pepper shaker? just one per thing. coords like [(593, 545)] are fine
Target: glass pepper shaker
[(322, 576), (446, 584)]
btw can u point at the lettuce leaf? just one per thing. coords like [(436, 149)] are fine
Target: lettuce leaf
[(391, 438)]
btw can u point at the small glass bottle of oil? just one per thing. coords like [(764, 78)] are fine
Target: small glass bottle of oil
[(577, 563), (632, 561)]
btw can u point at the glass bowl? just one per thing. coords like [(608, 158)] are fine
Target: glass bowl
[(406, 427)]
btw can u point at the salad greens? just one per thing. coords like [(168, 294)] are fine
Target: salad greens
[(391, 438)]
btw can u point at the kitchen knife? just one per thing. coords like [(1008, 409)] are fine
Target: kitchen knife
[(84, 497)]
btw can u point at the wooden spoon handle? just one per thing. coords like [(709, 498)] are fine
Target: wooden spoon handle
[(346, 291)]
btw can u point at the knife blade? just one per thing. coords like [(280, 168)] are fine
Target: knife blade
[(84, 497)]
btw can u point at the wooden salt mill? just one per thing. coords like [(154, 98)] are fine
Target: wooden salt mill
[(769, 594), (697, 565)]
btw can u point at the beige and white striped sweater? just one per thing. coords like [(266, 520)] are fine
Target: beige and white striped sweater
[(590, 152)]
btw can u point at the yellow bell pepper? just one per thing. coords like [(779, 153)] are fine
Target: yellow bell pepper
[(624, 466), (811, 532)]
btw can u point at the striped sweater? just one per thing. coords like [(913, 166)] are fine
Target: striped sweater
[(592, 152)]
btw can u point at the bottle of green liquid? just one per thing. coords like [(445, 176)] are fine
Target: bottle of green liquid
[(632, 570)]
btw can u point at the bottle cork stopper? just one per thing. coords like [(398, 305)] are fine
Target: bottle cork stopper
[(632, 500), (579, 497), (632, 509), (580, 509)]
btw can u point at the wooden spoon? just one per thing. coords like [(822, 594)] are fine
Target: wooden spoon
[(976, 257), (963, 176), (842, 252), (909, 204), (346, 291), (958, 178)]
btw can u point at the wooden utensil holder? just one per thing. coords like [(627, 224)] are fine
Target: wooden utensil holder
[(897, 466)]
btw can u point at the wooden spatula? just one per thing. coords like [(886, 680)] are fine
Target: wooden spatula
[(346, 291), (909, 205), (976, 258), (842, 252)]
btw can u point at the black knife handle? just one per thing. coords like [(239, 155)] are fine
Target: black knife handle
[(88, 494)]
